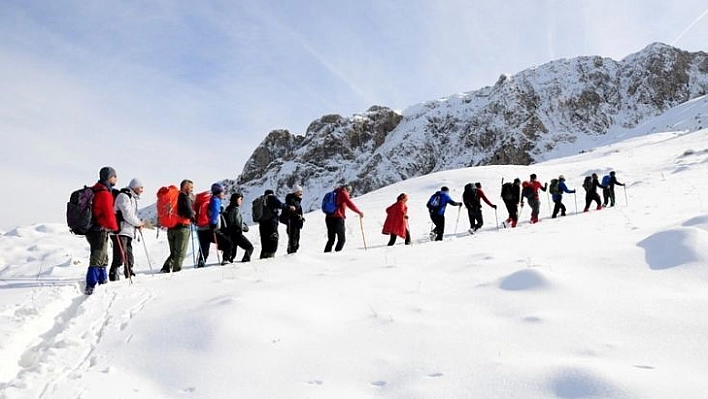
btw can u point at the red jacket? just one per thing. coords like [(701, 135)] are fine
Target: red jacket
[(343, 201), (535, 185), (396, 219), (103, 212)]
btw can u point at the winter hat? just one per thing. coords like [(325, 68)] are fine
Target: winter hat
[(517, 180), (106, 173), (347, 187), (612, 173), (269, 192), (297, 189), (135, 183), (217, 188), (444, 188), (561, 177)]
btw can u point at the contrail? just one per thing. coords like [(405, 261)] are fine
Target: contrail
[(689, 27)]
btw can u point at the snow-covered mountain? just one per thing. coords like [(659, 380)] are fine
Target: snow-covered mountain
[(552, 110), (604, 304)]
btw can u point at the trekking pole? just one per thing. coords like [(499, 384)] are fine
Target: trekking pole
[(459, 211), (575, 199), (216, 242), (146, 252), (626, 203), (363, 237), (548, 199), (122, 256), (496, 219), (191, 238)]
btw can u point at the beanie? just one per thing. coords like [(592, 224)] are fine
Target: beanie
[(269, 192), (444, 188), (217, 188), (106, 173), (297, 189), (135, 183), (561, 177)]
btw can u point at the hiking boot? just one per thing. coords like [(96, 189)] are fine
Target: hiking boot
[(585, 210), (113, 275), (599, 208), (163, 270), (200, 264), (89, 290), (471, 231)]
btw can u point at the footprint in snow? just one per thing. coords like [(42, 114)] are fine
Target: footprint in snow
[(378, 383)]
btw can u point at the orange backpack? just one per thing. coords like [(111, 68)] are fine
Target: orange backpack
[(201, 208), (167, 207)]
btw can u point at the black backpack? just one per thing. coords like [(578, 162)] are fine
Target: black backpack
[(260, 210), (527, 192), (471, 198), (79, 211), (507, 191)]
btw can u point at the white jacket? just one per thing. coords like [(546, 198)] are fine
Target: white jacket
[(127, 204)]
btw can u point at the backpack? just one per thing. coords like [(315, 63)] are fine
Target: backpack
[(167, 207), (79, 211), (606, 180), (587, 184), (329, 202), (434, 202), (473, 199), (201, 209), (119, 214), (527, 192), (553, 188), (507, 192), (260, 212)]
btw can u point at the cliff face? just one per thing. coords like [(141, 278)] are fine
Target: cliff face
[(534, 115)]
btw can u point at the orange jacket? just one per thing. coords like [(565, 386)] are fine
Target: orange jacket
[(395, 223)]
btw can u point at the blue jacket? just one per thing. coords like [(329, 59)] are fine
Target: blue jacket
[(444, 200), (562, 188)]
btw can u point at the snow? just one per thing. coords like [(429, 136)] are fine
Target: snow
[(608, 303)]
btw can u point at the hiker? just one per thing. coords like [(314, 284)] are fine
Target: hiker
[(236, 228), (608, 193), (293, 220), (335, 221), (396, 224), (268, 223), (511, 195), (557, 189), (104, 221), (530, 192), (178, 236), (436, 207), (590, 185), (471, 198), (211, 233), (126, 206)]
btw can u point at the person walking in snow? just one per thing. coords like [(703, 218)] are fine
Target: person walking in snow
[(557, 189), (608, 193), (293, 219), (590, 185), (104, 221), (436, 207), (530, 192), (126, 206), (236, 228), (472, 197), (178, 236), (335, 221), (212, 232), (268, 225), (396, 223), (511, 195)]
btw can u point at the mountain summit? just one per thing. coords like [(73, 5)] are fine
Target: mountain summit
[(540, 113)]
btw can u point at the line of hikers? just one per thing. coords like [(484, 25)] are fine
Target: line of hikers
[(103, 213)]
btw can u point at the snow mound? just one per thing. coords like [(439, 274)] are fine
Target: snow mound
[(575, 382), (524, 280), (675, 247)]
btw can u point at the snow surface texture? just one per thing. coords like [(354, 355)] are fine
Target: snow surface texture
[(608, 303)]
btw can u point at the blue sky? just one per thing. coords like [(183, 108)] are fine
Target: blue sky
[(166, 90)]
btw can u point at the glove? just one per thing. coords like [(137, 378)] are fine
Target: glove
[(573, 191), (244, 228), (494, 206), (459, 205)]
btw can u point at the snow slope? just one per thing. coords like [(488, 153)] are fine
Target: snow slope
[(608, 303)]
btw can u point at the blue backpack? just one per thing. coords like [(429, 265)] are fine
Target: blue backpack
[(434, 202), (329, 203), (606, 180)]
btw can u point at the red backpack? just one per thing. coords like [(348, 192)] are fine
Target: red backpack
[(201, 208), (167, 207)]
